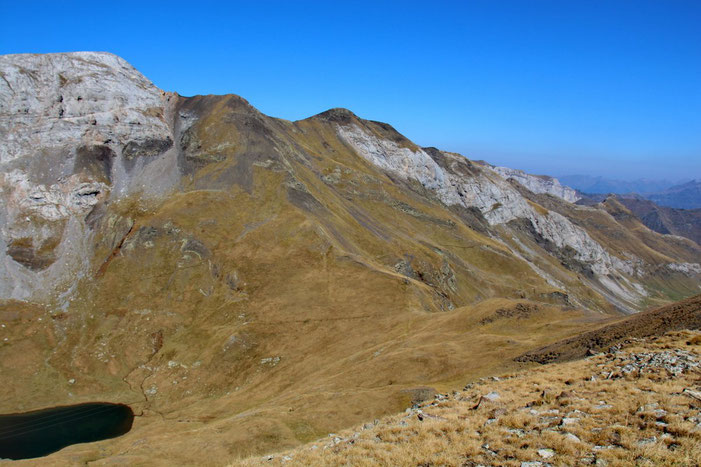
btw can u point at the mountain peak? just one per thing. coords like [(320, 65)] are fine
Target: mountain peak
[(69, 62), (78, 96), (337, 115), (165, 250)]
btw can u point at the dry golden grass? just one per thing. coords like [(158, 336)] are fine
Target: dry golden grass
[(635, 419), (284, 244)]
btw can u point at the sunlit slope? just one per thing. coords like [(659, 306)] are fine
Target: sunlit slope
[(247, 283), (252, 311)]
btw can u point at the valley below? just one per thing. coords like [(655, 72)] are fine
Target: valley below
[(247, 284)]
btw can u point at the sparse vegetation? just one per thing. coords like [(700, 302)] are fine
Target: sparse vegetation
[(262, 282), (595, 411)]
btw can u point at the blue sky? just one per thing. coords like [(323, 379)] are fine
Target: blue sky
[(607, 88)]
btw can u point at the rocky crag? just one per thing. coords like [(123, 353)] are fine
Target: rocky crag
[(207, 263), (539, 183)]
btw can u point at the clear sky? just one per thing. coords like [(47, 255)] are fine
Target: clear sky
[(595, 87)]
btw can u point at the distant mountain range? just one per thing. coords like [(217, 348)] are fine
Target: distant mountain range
[(666, 220), (247, 283), (602, 185), (685, 195)]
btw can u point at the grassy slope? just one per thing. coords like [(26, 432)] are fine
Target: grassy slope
[(577, 413), (682, 222), (288, 290)]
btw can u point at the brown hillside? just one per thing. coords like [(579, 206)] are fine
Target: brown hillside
[(247, 284), (681, 315), (637, 406)]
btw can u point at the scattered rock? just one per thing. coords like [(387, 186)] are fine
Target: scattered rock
[(694, 394), (647, 441), (675, 362), (270, 361)]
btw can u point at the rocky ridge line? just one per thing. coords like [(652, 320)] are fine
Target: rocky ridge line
[(456, 183)]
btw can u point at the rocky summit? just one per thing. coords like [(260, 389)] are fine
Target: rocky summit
[(247, 283)]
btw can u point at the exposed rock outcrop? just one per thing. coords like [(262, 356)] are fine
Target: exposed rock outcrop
[(539, 183), (456, 181), (220, 266), (78, 129)]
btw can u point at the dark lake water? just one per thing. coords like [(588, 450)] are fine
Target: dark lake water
[(41, 432)]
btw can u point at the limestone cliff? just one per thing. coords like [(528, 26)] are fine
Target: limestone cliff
[(77, 130), (84, 129), (539, 183), (236, 278), (454, 180)]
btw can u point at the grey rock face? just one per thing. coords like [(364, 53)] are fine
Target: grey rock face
[(539, 183), (83, 130), (456, 182), (77, 129), (686, 268), (83, 102)]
